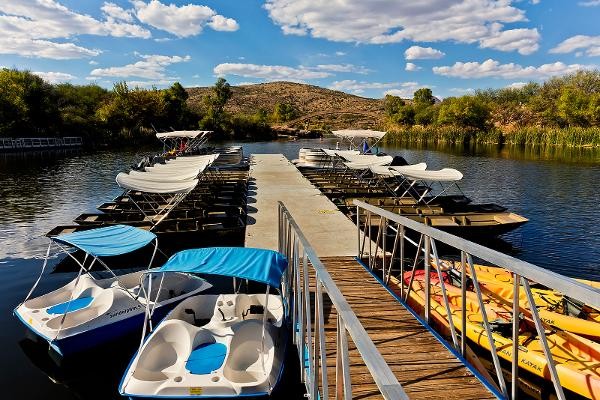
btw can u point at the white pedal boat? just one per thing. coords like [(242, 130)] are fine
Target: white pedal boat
[(213, 345), (87, 312)]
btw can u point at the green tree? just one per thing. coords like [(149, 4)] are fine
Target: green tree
[(405, 116), (284, 112), (215, 118), (423, 97), (465, 111), (392, 104)]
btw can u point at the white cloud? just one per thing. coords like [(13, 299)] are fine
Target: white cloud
[(44, 49), (114, 11), (184, 21), (29, 28), (92, 62), (462, 90), (149, 84), (412, 67), (402, 89), (162, 40), (423, 53), (340, 53), (524, 41), (342, 68), (590, 3), (269, 72), (516, 85), (392, 21), (589, 44), (55, 77), (151, 67), (493, 69)]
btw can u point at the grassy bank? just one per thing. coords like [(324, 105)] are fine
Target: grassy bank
[(530, 136)]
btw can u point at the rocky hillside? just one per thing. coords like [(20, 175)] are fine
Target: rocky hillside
[(315, 106)]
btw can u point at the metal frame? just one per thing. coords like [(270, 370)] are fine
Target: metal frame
[(522, 271), (309, 332)]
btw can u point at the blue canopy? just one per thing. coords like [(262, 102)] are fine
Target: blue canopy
[(260, 265), (111, 240)]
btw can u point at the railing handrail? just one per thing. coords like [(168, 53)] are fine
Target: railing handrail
[(382, 374), (568, 286)]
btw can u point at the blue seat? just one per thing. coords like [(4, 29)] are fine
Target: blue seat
[(72, 305), (206, 358)]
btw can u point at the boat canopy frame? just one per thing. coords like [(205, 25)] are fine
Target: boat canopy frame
[(183, 141)]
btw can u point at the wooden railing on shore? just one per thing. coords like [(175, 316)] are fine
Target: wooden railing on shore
[(38, 143)]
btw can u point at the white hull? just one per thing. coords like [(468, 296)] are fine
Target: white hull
[(210, 346)]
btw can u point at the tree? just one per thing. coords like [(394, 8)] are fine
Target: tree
[(392, 104), (465, 111), (405, 116), (423, 98), (215, 117), (284, 112), (177, 113)]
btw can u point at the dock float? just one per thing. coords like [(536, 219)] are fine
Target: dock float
[(419, 361)]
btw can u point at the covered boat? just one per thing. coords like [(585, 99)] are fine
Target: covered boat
[(87, 311), (216, 345)]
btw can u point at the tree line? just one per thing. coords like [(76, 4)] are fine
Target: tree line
[(567, 106), (32, 107)]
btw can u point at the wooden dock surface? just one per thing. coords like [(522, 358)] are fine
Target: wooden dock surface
[(423, 366)]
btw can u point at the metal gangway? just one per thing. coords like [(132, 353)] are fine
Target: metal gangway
[(383, 242)]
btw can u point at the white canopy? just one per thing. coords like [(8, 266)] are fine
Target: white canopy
[(398, 170), (368, 159), (383, 160), (129, 182), (359, 134), (193, 160), (341, 153), (181, 134), (442, 175), (170, 175)]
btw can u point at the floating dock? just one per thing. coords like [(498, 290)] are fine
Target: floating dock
[(424, 366)]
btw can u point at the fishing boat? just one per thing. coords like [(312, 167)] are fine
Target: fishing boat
[(577, 359), (554, 308), (216, 345), (88, 311)]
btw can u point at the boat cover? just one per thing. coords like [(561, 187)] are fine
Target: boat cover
[(368, 163), (359, 133), (166, 175), (205, 159), (128, 182), (341, 153), (397, 170), (181, 134), (260, 265), (442, 175), (368, 159), (111, 240)]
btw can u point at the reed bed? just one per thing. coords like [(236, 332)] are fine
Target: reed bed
[(526, 136)]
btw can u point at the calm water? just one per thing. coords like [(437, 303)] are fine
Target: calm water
[(557, 190)]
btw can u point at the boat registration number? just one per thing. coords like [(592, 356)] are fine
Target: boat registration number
[(195, 390)]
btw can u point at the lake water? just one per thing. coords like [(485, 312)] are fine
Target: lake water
[(557, 190)]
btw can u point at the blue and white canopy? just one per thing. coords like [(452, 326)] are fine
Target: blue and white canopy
[(111, 240), (260, 265)]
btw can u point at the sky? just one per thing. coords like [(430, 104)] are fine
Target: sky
[(365, 47)]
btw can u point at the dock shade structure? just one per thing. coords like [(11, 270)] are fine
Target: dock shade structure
[(387, 171), (180, 142), (359, 138), (163, 186), (444, 178)]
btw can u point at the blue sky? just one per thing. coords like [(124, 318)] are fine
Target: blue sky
[(364, 47)]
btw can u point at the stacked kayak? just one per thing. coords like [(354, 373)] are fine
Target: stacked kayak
[(554, 308), (577, 359)]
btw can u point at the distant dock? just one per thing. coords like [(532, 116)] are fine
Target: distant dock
[(39, 143)]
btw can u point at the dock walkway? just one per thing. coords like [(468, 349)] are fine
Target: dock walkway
[(422, 365)]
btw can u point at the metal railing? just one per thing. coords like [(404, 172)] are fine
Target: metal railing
[(308, 319), (385, 251), (39, 142)]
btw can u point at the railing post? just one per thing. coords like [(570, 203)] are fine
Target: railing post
[(344, 391), (358, 250), (427, 280), (401, 260), (515, 338), (463, 301)]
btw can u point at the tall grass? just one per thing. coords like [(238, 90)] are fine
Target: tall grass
[(526, 136)]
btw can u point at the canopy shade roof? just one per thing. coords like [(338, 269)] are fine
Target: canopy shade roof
[(359, 134), (391, 171), (111, 240), (341, 153), (442, 175), (129, 182), (181, 134), (260, 265)]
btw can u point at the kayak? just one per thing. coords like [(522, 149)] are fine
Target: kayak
[(577, 359), (554, 308)]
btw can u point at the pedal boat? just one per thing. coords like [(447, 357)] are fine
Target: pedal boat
[(217, 345), (87, 312)]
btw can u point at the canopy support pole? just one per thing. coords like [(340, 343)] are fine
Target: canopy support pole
[(264, 322)]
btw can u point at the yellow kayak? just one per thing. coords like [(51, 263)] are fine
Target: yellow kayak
[(577, 359), (554, 308)]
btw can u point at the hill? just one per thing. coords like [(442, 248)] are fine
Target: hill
[(315, 106)]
